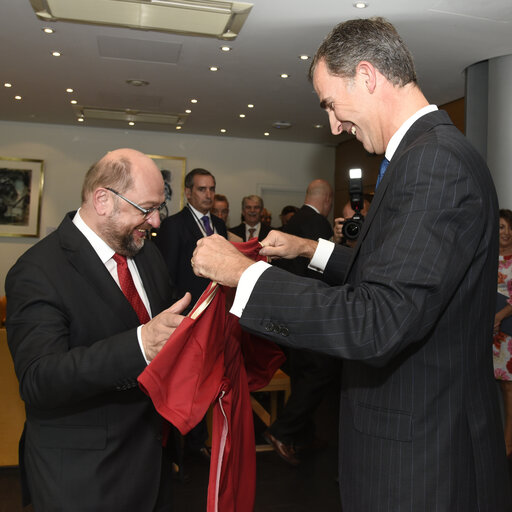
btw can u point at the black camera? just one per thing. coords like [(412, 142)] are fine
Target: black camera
[(352, 227)]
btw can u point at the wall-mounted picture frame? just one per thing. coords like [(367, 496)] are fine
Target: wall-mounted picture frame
[(173, 172), (21, 191)]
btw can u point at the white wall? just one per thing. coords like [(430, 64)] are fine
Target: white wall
[(241, 166)]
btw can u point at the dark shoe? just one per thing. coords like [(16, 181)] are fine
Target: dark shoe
[(285, 451)]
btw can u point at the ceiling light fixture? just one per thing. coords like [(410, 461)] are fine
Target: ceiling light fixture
[(69, 89), (178, 127), (360, 5), (193, 101), (226, 48), (17, 97), (242, 115), (188, 111), (250, 105), (214, 68), (73, 102), (212, 18), (129, 115), (304, 57), (222, 130), (266, 134), (131, 123), (284, 75), (56, 54), (80, 119), (7, 84), (48, 30), (137, 83)]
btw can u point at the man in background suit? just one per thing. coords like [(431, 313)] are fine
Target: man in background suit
[(177, 239), (92, 439), (251, 226), (311, 373), (410, 309)]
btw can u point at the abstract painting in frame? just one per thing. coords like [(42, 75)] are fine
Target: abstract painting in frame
[(173, 172), (21, 190)]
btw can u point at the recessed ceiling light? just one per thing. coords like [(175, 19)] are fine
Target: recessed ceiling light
[(284, 75), (69, 89), (7, 84), (222, 130), (241, 115), (73, 102), (250, 105), (214, 68), (48, 30), (266, 134), (360, 5), (131, 123), (80, 119), (193, 101), (56, 54), (178, 127), (303, 57), (188, 111), (226, 48), (17, 97)]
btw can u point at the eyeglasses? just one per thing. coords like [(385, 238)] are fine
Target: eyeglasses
[(146, 212)]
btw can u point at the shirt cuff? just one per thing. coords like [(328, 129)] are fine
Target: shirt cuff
[(322, 254), (139, 338), (245, 286)]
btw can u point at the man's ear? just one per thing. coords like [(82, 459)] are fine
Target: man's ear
[(102, 201), (367, 72)]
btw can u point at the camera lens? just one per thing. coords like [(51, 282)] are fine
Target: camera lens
[(351, 229)]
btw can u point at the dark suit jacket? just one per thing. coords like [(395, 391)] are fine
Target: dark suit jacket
[(419, 425), (240, 231), (306, 223), (92, 438), (177, 239)]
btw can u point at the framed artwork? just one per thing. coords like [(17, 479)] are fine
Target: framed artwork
[(21, 189), (173, 172)]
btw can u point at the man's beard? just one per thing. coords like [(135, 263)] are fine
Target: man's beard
[(121, 241)]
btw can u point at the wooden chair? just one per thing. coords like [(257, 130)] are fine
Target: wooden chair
[(280, 382)]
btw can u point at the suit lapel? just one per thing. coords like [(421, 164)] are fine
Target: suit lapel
[(421, 126), (84, 259)]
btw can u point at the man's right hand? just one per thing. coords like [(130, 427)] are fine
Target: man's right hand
[(282, 245), (156, 332)]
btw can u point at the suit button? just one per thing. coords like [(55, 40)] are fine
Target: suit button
[(285, 331), (269, 327), (276, 329)]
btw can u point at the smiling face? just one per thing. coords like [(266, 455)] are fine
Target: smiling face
[(349, 105), (124, 228), (251, 211)]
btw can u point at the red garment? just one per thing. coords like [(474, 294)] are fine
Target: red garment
[(203, 363)]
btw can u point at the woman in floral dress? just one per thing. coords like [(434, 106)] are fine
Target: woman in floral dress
[(502, 348)]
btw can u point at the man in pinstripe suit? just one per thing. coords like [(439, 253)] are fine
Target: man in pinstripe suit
[(410, 309)]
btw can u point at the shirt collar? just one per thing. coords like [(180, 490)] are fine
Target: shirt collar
[(103, 250), (400, 133), (197, 213), (311, 206)]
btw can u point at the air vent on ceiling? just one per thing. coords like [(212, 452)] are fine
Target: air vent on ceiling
[(128, 115), (212, 18)]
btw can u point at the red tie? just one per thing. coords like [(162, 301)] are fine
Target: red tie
[(128, 287), (251, 232)]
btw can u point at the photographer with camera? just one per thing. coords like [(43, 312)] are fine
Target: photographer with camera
[(345, 236)]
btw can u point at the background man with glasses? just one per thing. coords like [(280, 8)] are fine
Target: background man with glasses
[(86, 313)]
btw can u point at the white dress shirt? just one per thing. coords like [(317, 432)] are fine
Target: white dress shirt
[(105, 253)]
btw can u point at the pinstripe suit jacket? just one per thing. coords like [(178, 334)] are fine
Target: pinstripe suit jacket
[(410, 310)]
